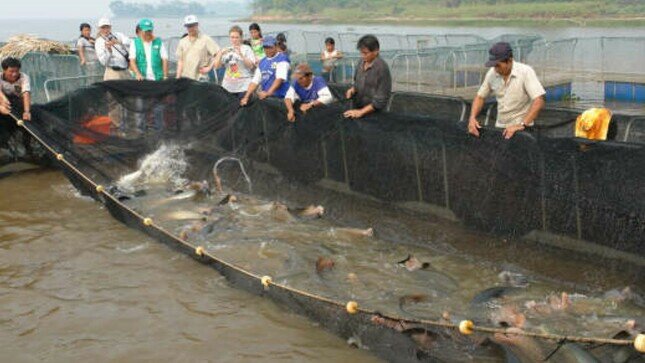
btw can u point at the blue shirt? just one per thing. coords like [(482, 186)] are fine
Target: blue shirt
[(268, 69), (311, 94)]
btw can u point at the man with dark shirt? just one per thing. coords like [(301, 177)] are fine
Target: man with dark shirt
[(372, 81)]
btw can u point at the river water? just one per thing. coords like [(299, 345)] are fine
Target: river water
[(67, 29), (76, 285)]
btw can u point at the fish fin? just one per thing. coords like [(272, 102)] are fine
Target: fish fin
[(402, 262)]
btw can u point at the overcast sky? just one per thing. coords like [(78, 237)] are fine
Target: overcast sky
[(55, 9)]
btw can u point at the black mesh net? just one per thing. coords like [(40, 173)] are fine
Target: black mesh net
[(403, 168)]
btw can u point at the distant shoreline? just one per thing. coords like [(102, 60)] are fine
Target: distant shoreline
[(475, 21)]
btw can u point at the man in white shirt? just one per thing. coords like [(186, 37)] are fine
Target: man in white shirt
[(112, 51), (519, 93), (148, 54)]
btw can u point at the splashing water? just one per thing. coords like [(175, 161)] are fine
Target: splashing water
[(166, 165)]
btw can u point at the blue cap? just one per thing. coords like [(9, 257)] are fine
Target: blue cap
[(269, 41)]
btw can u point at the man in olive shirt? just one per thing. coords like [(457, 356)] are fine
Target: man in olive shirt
[(519, 93), (372, 80), (195, 52)]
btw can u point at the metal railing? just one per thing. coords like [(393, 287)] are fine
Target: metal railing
[(59, 87)]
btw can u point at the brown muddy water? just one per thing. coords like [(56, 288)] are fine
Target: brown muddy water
[(76, 285)]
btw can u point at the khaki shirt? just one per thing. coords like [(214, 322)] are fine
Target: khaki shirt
[(196, 53), (514, 98)]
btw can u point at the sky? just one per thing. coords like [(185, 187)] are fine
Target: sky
[(59, 9)]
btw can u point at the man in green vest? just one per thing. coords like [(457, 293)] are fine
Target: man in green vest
[(148, 54)]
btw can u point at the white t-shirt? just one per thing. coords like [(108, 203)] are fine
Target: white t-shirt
[(281, 72), (237, 76), (18, 88), (147, 47), (324, 95)]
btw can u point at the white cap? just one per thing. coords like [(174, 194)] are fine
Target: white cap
[(104, 22), (190, 20)]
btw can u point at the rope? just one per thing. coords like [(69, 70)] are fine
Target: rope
[(230, 158), (466, 327)]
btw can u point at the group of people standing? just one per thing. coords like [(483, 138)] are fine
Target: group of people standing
[(260, 67)]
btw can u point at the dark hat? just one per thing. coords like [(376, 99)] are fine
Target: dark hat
[(499, 52)]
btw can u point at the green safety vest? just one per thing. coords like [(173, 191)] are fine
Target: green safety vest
[(142, 62)]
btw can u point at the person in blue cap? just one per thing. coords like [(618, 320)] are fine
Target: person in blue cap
[(311, 91), (148, 54), (519, 93), (271, 75)]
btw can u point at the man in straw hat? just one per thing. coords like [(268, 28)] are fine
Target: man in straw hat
[(519, 93)]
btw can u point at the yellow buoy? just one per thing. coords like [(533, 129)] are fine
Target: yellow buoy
[(352, 307), (99, 189), (147, 221), (639, 343), (59, 156), (466, 327), (266, 281), (20, 123), (199, 251)]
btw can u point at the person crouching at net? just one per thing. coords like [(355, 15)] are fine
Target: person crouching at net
[(519, 93), (148, 54), (372, 80), (310, 90), (16, 89), (271, 75)]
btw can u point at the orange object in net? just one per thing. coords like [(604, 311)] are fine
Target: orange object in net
[(98, 125)]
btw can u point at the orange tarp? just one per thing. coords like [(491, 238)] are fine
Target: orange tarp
[(99, 125)]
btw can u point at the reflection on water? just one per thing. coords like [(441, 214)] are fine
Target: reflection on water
[(76, 285)]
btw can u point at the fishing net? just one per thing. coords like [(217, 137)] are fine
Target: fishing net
[(402, 173)]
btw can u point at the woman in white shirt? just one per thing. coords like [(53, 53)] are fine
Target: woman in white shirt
[(239, 62), (85, 45)]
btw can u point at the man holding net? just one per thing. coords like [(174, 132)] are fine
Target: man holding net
[(519, 93), (372, 81), (271, 75), (311, 91)]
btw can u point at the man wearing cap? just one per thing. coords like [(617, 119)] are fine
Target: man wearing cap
[(271, 75), (195, 52), (112, 51), (309, 90), (519, 93), (148, 54)]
